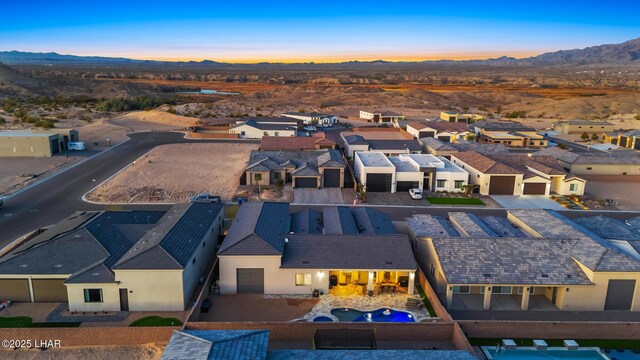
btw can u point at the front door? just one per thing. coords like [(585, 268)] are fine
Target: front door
[(124, 300)]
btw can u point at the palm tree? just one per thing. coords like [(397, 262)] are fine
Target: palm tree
[(469, 188)]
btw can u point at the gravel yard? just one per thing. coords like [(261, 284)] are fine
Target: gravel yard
[(15, 173), (172, 173)]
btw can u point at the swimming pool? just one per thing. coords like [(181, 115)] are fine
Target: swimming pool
[(380, 315), (551, 353)]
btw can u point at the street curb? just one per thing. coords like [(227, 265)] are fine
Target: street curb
[(64, 170)]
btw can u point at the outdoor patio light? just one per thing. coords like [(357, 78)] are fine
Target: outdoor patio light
[(412, 275), (320, 275)]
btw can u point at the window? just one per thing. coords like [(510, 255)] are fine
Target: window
[(258, 177), (440, 183), (242, 133), (433, 270), (193, 261), (573, 187), (478, 176), (532, 290), (502, 290), (460, 289), (458, 184), (589, 168), (276, 175), (92, 295), (303, 279), (277, 134)]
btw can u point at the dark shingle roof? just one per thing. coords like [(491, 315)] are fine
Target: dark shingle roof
[(95, 274), (411, 145), (355, 252), (437, 144), (355, 140), (217, 345), (272, 160)]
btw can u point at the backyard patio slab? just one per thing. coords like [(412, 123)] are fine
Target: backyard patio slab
[(365, 303), (257, 308)]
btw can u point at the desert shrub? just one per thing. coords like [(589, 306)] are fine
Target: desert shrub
[(172, 110), (584, 136), (61, 116), (84, 118), (208, 106), (134, 103), (2, 121), (638, 117), (516, 114), (46, 124)]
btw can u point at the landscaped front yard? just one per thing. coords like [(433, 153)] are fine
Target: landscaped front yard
[(454, 201)]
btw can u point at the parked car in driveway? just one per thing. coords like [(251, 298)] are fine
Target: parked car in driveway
[(205, 198), (415, 193)]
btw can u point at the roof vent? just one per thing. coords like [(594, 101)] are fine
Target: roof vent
[(286, 240), (291, 233), (305, 262), (569, 276), (23, 265), (77, 236), (545, 275), (95, 274), (389, 262), (57, 265), (486, 275)]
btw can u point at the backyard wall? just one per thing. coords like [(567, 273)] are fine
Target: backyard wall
[(550, 330), (93, 336)]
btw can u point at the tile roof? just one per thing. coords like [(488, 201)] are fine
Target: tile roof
[(447, 126), (271, 160), (287, 143), (583, 122), (523, 162), (484, 164), (307, 222), (353, 252), (369, 354), (469, 226), (508, 261), (379, 145), (502, 227), (437, 144), (609, 228), (256, 229), (355, 140), (486, 149), (217, 345), (501, 125), (266, 126), (425, 225)]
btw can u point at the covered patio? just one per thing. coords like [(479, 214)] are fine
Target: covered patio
[(500, 298), (372, 283)]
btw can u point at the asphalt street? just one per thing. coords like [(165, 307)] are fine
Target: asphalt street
[(58, 197), (61, 195)]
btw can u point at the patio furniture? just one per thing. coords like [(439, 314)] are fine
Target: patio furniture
[(540, 344), (508, 344), (571, 344)]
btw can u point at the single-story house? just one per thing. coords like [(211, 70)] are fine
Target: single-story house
[(355, 143), (382, 116), (267, 250), (454, 116), (517, 174), (441, 130), (116, 260), (519, 139), (582, 126), (309, 169), (316, 142), (406, 171), (256, 128), (613, 163), (312, 118), (504, 126), (437, 147), (629, 139), (531, 260)]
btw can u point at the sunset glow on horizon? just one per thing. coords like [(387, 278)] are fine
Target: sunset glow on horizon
[(288, 31)]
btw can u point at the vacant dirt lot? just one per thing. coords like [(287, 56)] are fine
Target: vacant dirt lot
[(146, 352), (16, 173), (172, 173)]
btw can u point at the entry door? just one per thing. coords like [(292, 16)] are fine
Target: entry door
[(124, 300), (620, 294)]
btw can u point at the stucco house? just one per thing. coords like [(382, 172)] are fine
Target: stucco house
[(460, 117), (256, 128), (116, 260), (390, 147), (531, 260), (611, 163), (403, 172), (309, 169), (582, 126), (316, 142), (442, 130), (517, 139), (437, 147), (517, 174), (500, 125), (270, 251), (312, 118), (381, 116)]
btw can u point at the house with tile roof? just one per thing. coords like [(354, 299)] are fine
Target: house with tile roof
[(442, 130), (513, 139), (629, 139), (270, 251), (257, 127), (310, 169), (312, 118), (517, 174), (390, 147), (299, 143), (530, 260), (437, 147), (616, 162), (116, 260), (381, 116)]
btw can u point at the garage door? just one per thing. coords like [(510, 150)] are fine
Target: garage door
[(534, 189), (332, 178), (379, 182), (306, 182), (636, 144), (502, 185), (250, 281), (444, 138), (14, 290), (620, 294), (406, 185), (45, 290), (426, 134)]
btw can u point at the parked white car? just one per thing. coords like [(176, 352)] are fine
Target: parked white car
[(77, 146), (415, 193), (309, 128)]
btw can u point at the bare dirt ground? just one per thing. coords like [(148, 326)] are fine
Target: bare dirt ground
[(173, 173), (16, 173), (140, 352), (378, 135), (158, 120)]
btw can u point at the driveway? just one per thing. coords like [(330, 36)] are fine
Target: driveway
[(527, 202), (317, 196)]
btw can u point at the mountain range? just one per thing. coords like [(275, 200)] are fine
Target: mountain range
[(627, 53)]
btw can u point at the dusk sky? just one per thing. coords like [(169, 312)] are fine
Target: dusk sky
[(287, 31)]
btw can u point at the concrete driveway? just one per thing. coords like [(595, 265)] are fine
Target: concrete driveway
[(317, 196), (527, 202)]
